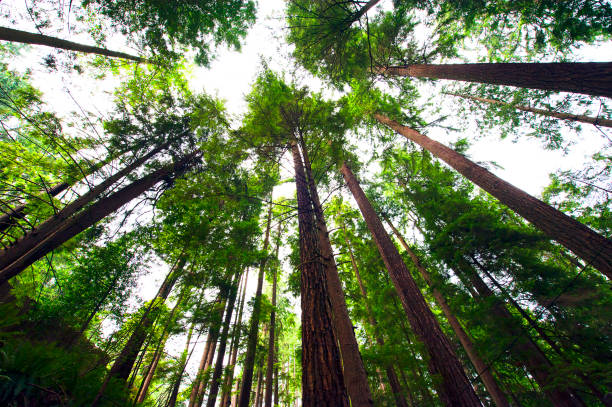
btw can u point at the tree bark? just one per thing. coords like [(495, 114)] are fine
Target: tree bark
[(182, 365), (598, 121), (396, 389), (595, 249), (271, 338), (249, 360), (322, 378), (590, 78), (216, 377), (355, 377), (497, 395), (24, 37), (56, 222), (125, 361), (455, 388), (258, 388)]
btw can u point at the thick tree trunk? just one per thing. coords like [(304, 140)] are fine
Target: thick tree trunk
[(322, 379), (497, 395), (400, 400), (24, 37), (525, 349), (455, 388), (249, 359), (355, 377), (590, 78), (364, 9), (272, 338), (216, 377), (595, 249), (598, 121), (63, 226), (125, 361)]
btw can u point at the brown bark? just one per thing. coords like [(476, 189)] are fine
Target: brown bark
[(125, 361), (258, 388), (524, 348), (63, 226), (355, 377), (497, 395), (322, 378), (455, 388), (216, 377), (179, 377), (24, 37), (400, 400), (249, 359), (590, 78), (598, 121), (595, 249), (272, 337)]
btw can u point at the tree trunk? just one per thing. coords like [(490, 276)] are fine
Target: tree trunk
[(497, 395), (455, 388), (249, 360), (258, 388), (355, 377), (525, 349), (558, 115), (39, 246), (24, 37), (125, 361), (595, 249), (590, 78), (182, 365), (272, 338), (322, 378), (400, 400), (216, 378), (227, 389)]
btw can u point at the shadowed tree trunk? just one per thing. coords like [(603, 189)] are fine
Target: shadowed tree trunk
[(595, 249), (590, 78), (355, 377), (216, 377), (24, 37), (125, 361), (482, 369), (249, 359), (182, 365), (400, 400), (90, 216), (257, 400), (455, 389), (322, 379), (272, 338), (558, 115)]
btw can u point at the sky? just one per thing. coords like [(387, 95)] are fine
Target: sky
[(525, 164)]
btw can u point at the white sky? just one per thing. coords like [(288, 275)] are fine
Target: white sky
[(525, 164)]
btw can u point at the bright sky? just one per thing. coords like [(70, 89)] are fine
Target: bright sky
[(525, 164)]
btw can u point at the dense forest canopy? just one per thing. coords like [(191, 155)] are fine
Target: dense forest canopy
[(305, 203)]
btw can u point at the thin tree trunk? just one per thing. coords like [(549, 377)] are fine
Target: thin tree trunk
[(322, 378), (249, 360), (590, 78), (259, 385), (355, 377), (497, 395), (400, 400), (227, 389), (272, 337), (182, 365), (455, 388), (83, 220), (24, 37), (595, 249), (276, 373), (216, 377), (125, 361), (598, 121)]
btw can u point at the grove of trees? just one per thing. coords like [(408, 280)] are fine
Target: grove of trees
[(339, 239)]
